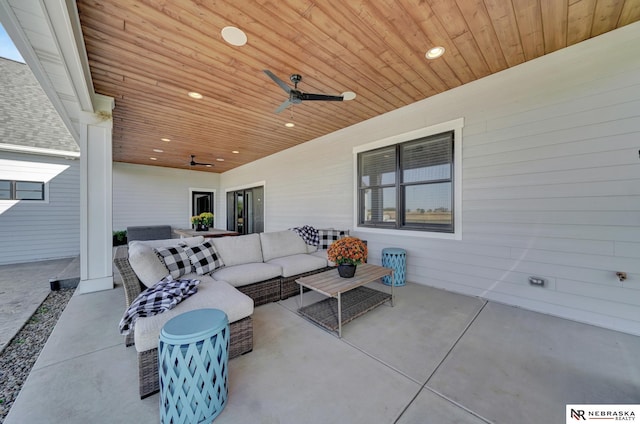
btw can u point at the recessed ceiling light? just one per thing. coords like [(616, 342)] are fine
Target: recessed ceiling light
[(153, 158), (195, 95), (434, 52), (235, 152), (234, 36), (289, 125), (220, 160), (165, 139), (348, 95), (158, 150), (208, 165)]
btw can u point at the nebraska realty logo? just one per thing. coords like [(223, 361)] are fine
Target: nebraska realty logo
[(580, 413)]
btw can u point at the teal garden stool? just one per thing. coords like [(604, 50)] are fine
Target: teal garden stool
[(395, 259), (193, 354)]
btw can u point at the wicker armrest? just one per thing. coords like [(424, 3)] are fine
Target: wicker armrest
[(132, 286), (130, 281)]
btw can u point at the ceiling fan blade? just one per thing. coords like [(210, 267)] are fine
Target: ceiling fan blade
[(278, 81), (194, 163), (283, 106), (324, 97)]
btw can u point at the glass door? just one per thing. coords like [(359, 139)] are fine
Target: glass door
[(240, 213), (245, 210)]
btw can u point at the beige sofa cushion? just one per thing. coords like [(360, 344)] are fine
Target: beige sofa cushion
[(145, 262), (323, 254), (211, 294), (277, 244), (241, 275), (298, 264), (239, 249)]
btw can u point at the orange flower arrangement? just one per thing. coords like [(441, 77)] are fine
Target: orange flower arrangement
[(347, 250)]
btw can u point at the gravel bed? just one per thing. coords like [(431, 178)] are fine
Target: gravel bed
[(18, 357)]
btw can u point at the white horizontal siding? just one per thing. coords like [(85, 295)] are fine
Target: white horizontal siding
[(286, 203), (31, 231), (551, 184), (151, 195)]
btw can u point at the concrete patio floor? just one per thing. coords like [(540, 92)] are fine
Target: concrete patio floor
[(436, 357), (24, 286)]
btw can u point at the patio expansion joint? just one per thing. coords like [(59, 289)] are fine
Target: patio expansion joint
[(73, 358), (347, 342), (444, 358), (421, 386)]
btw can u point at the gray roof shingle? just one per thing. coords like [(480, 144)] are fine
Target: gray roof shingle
[(27, 117)]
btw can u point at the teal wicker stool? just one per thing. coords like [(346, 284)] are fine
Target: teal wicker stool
[(193, 354), (395, 259)]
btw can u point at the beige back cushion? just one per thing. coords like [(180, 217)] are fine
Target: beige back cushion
[(277, 244), (146, 264), (239, 250)]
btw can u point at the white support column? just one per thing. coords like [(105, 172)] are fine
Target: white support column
[(96, 199)]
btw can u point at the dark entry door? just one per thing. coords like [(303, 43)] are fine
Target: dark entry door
[(201, 201)]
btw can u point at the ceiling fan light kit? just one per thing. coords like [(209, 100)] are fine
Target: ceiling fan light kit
[(348, 95)]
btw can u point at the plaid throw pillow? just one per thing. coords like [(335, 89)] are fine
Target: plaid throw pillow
[(175, 259), (204, 258), (329, 236), (308, 234)]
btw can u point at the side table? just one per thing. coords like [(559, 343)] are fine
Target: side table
[(193, 354), (395, 259)]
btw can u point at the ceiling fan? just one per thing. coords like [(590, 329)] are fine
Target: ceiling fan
[(194, 163), (296, 96)]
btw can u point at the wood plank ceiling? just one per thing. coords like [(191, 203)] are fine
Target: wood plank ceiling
[(148, 54)]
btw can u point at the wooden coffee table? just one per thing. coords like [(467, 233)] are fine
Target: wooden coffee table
[(347, 298)]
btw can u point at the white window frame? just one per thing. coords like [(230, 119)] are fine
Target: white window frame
[(456, 126)]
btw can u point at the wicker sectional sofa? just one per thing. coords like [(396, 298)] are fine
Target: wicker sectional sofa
[(258, 269)]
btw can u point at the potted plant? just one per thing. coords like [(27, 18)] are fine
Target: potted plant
[(196, 221), (347, 253), (119, 237), (207, 219)]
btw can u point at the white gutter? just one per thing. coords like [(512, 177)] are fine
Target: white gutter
[(39, 151)]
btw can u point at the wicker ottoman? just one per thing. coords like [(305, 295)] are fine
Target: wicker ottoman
[(193, 354)]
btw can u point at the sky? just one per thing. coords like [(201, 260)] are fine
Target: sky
[(7, 49)]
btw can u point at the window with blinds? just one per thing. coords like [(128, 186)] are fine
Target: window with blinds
[(408, 185)]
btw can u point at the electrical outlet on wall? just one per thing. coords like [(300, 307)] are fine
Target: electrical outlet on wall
[(537, 281)]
